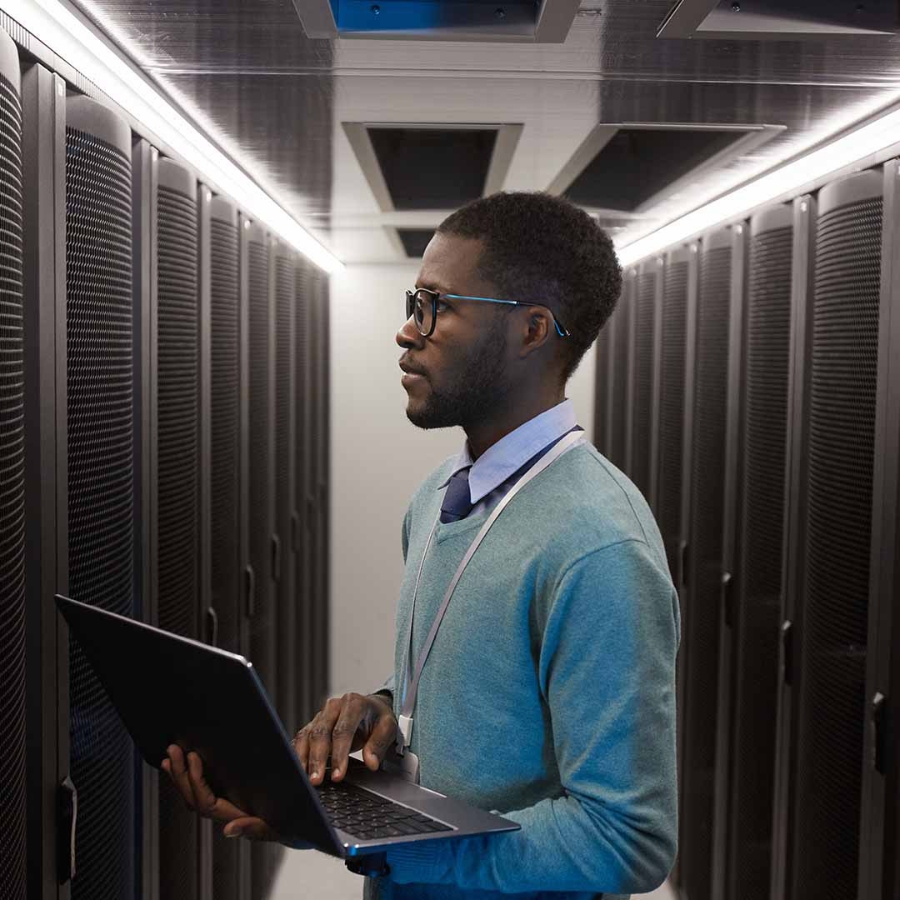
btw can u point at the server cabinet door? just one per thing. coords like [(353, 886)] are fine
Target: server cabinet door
[(302, 453), (231, 859), (643, 375), (101, 507), (43, 96), (881, 749), (12, 499), (753, 560), (601, 390), (619, 420), (285, 436), (704, 561), (175, 477), (833, 406)]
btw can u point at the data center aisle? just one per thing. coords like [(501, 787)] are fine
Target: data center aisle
[(307, 874)]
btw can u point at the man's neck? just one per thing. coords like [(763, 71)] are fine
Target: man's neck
[(485, 434)]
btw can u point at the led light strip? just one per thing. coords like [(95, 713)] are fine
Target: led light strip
[(857, 147), (54, 24)]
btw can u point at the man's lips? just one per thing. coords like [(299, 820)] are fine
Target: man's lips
[(409, 370)]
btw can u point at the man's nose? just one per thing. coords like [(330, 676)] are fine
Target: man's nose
[(409, 336)]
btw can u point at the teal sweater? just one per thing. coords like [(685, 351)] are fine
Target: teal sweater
[(549, 694)]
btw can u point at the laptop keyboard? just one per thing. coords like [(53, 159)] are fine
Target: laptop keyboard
[(367, 816)]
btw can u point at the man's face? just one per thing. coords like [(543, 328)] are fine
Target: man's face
[(458, 375)]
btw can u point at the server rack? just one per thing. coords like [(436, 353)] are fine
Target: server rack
[(99, 324), (827, 591), (145, 165), (672, 431), (13, 772), (315, 459), (321, 450), (303, 481), (208, 620), (230, 859), (620, 337), (703, 555), (644, 377), (257, 517), (46, 472), (285, 508), (175, 512), (878, 845), (752, 564), (258, 520)]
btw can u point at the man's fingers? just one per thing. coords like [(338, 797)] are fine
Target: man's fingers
[(319, 733), (382, 738), (344, 731), (203, 794), (177, 771), (301, 747), (250, 827)]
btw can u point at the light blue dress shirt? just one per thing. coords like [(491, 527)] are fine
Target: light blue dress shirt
[(489, 478)]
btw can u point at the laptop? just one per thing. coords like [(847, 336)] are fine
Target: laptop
[(173, 690)]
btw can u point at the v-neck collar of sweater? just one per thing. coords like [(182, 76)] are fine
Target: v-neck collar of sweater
[(447, 530)]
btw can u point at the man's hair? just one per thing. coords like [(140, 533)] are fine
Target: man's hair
[(541, 249)]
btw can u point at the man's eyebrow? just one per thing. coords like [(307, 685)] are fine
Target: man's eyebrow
[(432, 286)]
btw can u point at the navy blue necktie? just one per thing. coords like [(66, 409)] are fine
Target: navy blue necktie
[(457, 499)]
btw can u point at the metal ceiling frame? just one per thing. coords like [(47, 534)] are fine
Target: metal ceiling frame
[(755, 136), (510, 21), (706, 19), (358, 135)]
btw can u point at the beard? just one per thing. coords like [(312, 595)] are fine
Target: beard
[(471, 391)]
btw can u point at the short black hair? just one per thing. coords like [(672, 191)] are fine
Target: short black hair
[(541, 249)]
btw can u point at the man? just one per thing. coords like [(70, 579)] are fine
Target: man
[(548, 693)]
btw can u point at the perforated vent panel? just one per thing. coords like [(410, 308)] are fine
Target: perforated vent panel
[(284, 502), (101, 498), (619, 376), (702, 602), (178, 505), (225, 425), (224, 483), (302, 444), (601, 432), (759, 582), (262, 626), (671, 407), (12, 503), (224, 475), (642, 391), (835, 616), (321, 626)]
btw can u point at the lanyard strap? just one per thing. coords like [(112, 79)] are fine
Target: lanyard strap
[(409, 698)]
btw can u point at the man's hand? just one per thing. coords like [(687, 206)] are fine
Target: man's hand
[(187, 776), (344, 725)]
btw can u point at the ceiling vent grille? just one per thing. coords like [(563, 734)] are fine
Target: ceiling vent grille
[(528, 21), (432, 166), (630, 167), (415, 240), (778, 19)]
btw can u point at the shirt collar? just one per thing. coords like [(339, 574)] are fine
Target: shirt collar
[(511, 452)]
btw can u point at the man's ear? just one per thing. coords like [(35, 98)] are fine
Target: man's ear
[(538, 331)]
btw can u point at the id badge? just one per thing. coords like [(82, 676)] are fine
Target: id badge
[(406, 766)]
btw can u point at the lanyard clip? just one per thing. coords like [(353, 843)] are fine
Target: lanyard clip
[(406, 727)]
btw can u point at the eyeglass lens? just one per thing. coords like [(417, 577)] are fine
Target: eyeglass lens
[(419, 306)]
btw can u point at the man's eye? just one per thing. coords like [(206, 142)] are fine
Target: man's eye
[(441, 305)]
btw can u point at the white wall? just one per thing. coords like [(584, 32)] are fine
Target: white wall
[(377, 460)]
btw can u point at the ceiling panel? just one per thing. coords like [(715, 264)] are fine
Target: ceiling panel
[(277, 98)]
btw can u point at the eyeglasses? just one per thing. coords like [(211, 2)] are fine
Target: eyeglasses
[(422, 305)]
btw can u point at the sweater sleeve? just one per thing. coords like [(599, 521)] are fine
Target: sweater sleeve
[(607, 673)]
